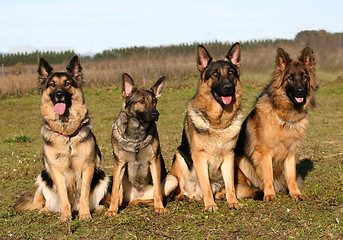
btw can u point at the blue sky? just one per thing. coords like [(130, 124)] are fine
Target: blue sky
[(90, 26)]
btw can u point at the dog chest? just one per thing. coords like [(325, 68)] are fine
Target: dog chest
[(138, 166)]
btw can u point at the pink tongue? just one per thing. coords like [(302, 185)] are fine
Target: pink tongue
[(226, 100), (299, 100), (60, 108)]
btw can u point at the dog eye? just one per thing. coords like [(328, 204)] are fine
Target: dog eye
[(304, 77), (230, 72), (215, 74), (52, 84), (142, 101), (290, 78), (67, 83)]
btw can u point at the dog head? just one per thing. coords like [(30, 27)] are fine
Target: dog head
[(140, 103), (296, 78), (60, 87), (220, 76)]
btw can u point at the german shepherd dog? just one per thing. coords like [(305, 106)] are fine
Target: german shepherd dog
[(204, 162), (139, 174), (274, 130), (71, 179)]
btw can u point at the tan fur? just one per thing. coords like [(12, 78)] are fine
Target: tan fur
[(212, 131), (274, 133)]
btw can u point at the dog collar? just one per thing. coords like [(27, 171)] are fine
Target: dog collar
[(116, 127), (71, 135), (281, 120), (202, 117), (218, 129)]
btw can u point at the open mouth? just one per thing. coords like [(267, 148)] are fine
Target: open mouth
[(226, 100), (60, 108), (299, 99)]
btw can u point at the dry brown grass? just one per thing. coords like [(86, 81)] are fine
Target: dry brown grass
[(257, 67)]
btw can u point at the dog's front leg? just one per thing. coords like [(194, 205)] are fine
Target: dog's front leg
[(118, 172), (291, 178), (201, 169), (155, 169), (60, 182), (227, 169), (87, 176), (263, 161)]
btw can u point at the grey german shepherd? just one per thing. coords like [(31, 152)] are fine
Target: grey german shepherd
[(139, 174)]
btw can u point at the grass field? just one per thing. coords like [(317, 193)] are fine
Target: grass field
[(320, 216)]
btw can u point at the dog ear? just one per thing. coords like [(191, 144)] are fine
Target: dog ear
[(128, 85), (203, 58), (282, 59), (307, 57), (75, 70), (44, 70), (158, 87), (234, 54)]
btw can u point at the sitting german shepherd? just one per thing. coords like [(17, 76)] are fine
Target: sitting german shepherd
[(274, 130), (139, 174), (204, 162), (72, 179)]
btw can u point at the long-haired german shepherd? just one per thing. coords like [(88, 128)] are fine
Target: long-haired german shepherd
[(139, 174), (274, 130), (204, 162), (71, 179)]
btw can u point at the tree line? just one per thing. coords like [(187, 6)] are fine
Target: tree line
[(328, 47), (33, 57)]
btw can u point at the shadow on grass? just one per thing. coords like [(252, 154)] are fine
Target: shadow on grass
[(304, 167)]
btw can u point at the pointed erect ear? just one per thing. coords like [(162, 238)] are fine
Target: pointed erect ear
[(128, 85), (44, 70), (74, 69), (204, 58), (234, 54), (158, 87), (307, 57), (282, 59)]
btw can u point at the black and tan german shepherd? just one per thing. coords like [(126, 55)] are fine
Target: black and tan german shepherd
[(204, 162), (139, 174), (272, 133), (71, 179)]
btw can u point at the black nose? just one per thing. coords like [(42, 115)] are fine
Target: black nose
[(59, 94), (155, 115), (228, 88), (299, 91)]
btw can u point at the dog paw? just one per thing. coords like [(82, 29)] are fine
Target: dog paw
[(182, 197), (211, 208), (85, 216), (235, 205), (160, 210), (298, 196), (269, 198), (110, 213), (219, 196), (65, 217), (44, 210), (100, 208)]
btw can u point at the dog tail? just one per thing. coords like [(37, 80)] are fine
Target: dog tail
[(24, 204), (30, 203)]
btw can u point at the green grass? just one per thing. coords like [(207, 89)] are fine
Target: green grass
[(320, 216)]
